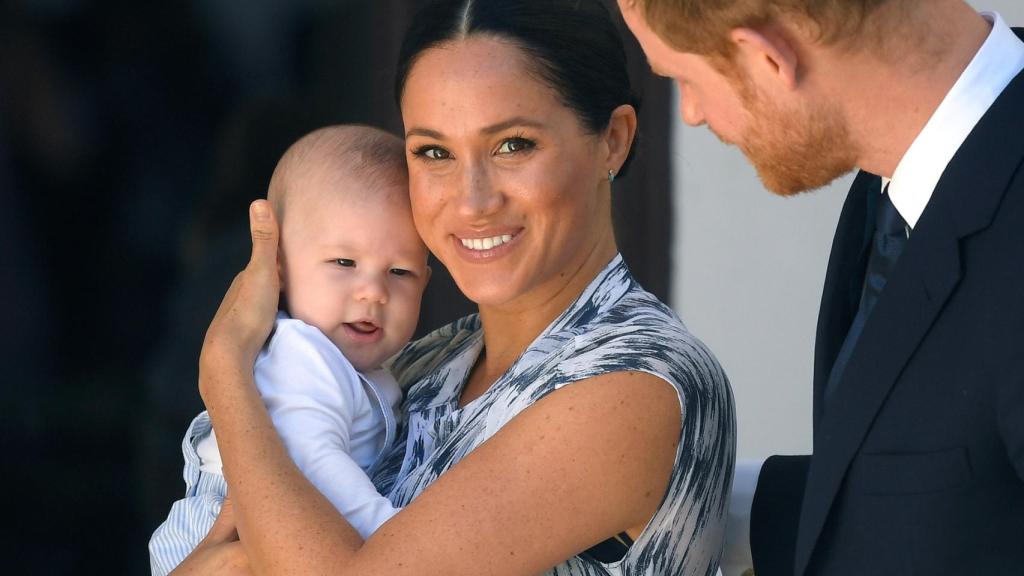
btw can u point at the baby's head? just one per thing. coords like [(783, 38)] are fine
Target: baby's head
[(351, 261)]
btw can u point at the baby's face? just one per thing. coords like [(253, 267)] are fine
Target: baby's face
[(355, 268)]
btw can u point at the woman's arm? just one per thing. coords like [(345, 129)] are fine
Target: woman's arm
[(585, 462)]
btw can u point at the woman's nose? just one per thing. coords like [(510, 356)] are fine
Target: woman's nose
[(478, 195)]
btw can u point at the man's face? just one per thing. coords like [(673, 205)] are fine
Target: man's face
[(795, 146), (795, 149), (706, 96)]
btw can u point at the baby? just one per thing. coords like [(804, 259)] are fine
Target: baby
[(353, 271)]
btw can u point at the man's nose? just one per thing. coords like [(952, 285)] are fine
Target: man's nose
[(690, 109)]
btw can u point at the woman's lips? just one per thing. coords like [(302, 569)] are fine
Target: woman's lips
[(487, 245), (479, 244)]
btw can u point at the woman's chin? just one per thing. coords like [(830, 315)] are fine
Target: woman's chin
[(486, 291)]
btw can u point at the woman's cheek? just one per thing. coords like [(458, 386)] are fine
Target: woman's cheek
[(426, 211)]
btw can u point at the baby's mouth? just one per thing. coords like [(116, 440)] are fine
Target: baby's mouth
[(363, 327)]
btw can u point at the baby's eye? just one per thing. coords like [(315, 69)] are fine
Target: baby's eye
[(345, 262), (400, 272), (517, 144), (432, 152)]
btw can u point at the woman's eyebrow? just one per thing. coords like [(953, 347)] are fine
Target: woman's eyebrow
[(488, 130), (510, 123), (424, 132)]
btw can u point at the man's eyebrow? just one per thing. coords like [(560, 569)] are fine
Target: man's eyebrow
[(488, 130)]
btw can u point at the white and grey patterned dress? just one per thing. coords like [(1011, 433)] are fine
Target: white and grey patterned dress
[(613, 326)]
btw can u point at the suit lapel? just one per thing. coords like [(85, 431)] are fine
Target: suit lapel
[(964, 202)]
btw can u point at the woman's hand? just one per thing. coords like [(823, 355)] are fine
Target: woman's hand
[(246, 315), (220, 552)]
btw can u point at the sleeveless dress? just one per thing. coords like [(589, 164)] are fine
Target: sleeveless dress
[(613, 326)]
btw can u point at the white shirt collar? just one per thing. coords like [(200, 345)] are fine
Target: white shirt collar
[(997, 63)]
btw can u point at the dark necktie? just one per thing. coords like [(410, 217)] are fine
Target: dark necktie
[(889, 239)]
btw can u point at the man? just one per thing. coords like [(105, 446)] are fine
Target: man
[(918, 464)]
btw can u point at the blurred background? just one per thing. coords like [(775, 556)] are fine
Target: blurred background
[(133, 136)]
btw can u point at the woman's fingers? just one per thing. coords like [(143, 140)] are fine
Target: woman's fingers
[(220, 552), (226, 559), (225, 527), (259, 284), (246, 315), (264, 238)]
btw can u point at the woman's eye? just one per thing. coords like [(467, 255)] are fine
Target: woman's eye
[(400, 272), (345, 262), (432, 153), (513, 145)]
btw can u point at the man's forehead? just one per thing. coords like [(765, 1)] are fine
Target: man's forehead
[(655, 49), (627, 4)]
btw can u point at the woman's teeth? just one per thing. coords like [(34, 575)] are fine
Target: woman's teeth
[(486, 243)]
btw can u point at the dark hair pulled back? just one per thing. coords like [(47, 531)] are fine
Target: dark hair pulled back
[(574, 45)]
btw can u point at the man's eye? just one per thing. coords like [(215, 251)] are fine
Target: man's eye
[(513, 145), (400, 272), (432, 153), (345, 262)]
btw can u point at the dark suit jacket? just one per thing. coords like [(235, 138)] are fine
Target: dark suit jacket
[(918, 465)]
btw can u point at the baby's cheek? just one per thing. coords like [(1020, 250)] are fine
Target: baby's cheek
[(407, 313)]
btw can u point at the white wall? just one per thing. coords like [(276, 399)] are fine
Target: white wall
[(748, 272)]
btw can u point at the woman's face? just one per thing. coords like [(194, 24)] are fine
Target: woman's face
[(508, 189)]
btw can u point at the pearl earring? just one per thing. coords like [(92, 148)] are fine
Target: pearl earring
[(611, 176)]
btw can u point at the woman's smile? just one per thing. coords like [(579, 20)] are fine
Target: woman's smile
[(486, 246), (486, 243), (493, 153)]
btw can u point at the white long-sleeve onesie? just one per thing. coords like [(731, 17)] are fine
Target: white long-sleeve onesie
[(334, 421)]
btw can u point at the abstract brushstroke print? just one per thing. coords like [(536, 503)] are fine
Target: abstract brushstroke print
[(613, 326)]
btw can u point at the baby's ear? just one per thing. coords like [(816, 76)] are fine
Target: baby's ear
[(426, 274)]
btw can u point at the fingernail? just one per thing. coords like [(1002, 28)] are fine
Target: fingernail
[(259, 211)]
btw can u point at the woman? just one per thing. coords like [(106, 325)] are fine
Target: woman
[(573, 426)]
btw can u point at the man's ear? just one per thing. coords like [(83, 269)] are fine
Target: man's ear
[(768, 56), (619, 136)]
